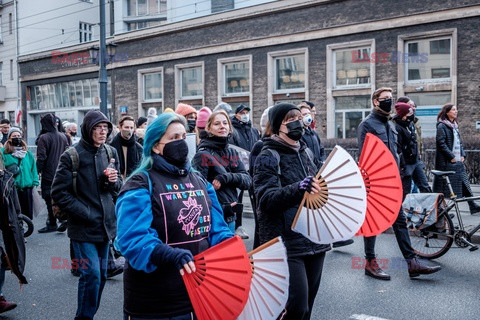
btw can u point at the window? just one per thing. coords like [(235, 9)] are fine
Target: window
[(429, 58), (10, 23), (85, 31), (349, 112), (11, 116), (11, 69), (234, 80), (1, 73), (152, 84), (147, 7), (222, 5), (191, 82), (428, 107), (290, 72), (1, 39), (350, 81)]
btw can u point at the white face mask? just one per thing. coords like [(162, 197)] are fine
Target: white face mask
[(307, 120), (244, 118)]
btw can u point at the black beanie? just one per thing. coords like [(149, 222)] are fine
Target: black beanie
[(278, 113)]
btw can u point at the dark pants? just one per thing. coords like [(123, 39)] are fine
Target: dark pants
[(419, 178), (403, 239), (305, 274), (26, 201), (46, 195), (93, 275)]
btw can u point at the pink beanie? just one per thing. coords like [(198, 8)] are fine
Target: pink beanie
[(184, 109), (202, 117)]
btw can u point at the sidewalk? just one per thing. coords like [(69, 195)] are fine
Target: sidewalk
[(469, 220)]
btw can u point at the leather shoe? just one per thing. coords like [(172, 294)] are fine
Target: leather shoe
[(416, 268), (342, 243), (48, 228), (62, 227), (373, 270), (114, 271), (475, 208)]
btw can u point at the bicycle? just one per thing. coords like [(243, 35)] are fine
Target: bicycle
[(433, 242), (26, 224)]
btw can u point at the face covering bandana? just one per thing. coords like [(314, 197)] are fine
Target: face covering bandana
[(244, 118), (176, 152), (127, 134), (16, 142), (191, 125), (295, 130), (386, 105)]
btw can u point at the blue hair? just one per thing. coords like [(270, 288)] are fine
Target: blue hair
[(155, 131)]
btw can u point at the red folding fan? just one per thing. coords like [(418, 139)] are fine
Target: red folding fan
[(383, 186), (219, 287)]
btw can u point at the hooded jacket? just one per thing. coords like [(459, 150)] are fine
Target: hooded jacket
[(91, 212), (244, 135), (50, 146), (278, 197)]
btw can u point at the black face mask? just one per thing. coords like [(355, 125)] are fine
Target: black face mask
[(17, 142), (411, 117), (176, 152), (386, 105), (73, 134), (295, 130), (191, 125)]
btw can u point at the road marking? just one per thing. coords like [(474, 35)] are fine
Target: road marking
[(365, 317)]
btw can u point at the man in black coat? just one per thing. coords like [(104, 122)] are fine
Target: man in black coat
[(91, 209), (244, 135), (310, 136), (50, 146), (128, 149), (378, 123)]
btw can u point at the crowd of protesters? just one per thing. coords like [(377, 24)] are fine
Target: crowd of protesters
[(110, 185)]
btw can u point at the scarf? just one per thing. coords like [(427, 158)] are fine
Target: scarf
[(130, 145), (19, 153), (453, 125), (295, 146)]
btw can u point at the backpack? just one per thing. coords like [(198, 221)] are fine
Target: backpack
[(73, 154)]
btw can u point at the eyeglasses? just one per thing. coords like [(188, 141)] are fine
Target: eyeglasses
[(100, 128)]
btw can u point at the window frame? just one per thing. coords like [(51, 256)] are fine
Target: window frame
[(141, 89), (341, 91), (85, 32), (236, 96), (198, 99)]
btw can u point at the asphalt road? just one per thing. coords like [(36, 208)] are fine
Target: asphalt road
[(345, 293)]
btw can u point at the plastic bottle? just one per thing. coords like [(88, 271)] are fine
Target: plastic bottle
[(111, 166)]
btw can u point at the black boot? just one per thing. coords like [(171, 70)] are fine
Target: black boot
[(342, 243), (372, 269), (474, 208), (416, 268)]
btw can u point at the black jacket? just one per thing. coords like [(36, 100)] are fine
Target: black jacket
[(278, 196), (383, 128), (313, 142), (244, 135), (91, 212), (50, 146), (407, 142), (134, 152), (215, 160)]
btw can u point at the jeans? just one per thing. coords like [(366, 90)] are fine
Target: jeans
[(93, 275), (420, 179), (305, 274), (402, 236), (189, 316)]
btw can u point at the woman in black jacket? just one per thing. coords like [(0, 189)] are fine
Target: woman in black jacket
[(450, 156), (284, 171), (222, 166)]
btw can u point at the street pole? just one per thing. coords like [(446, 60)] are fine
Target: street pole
[(102, 77)]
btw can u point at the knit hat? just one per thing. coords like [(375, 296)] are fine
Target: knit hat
[(278, 113), (223, 106), (202, 117), (152, 112), (166, 110), (12, 130), (402, 109), (264, 119), (184, 109), (140, 121)]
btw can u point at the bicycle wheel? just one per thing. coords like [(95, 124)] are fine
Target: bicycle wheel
[(26, 223), (434, 241)]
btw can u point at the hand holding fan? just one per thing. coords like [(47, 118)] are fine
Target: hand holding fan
[(383, 186), (338, 211), (269, 289), (219, 287)]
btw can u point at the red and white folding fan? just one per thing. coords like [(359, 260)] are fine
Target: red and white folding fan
[(269, 289), (219, 287), (338, 211), (383, 186)]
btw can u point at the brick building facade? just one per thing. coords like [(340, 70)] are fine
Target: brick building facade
[(334, 53)]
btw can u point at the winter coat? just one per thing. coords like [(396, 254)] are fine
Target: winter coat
[(50, 146), (134, 153), (215, 160), (91, 212), (12, 243), (278, 196), (380, 126), (244, 135), (407, 142), (443, 157), (28, 175), (312, 140)]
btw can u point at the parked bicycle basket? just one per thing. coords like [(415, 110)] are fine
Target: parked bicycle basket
[(422, 209)]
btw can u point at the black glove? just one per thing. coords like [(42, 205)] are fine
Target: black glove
[(222, 179), (163, 253), (306, 184)]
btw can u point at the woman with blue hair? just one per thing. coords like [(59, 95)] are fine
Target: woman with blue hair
[(166, 214)]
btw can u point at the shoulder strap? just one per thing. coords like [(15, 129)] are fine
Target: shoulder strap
[(72, 152), (109, 152)]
